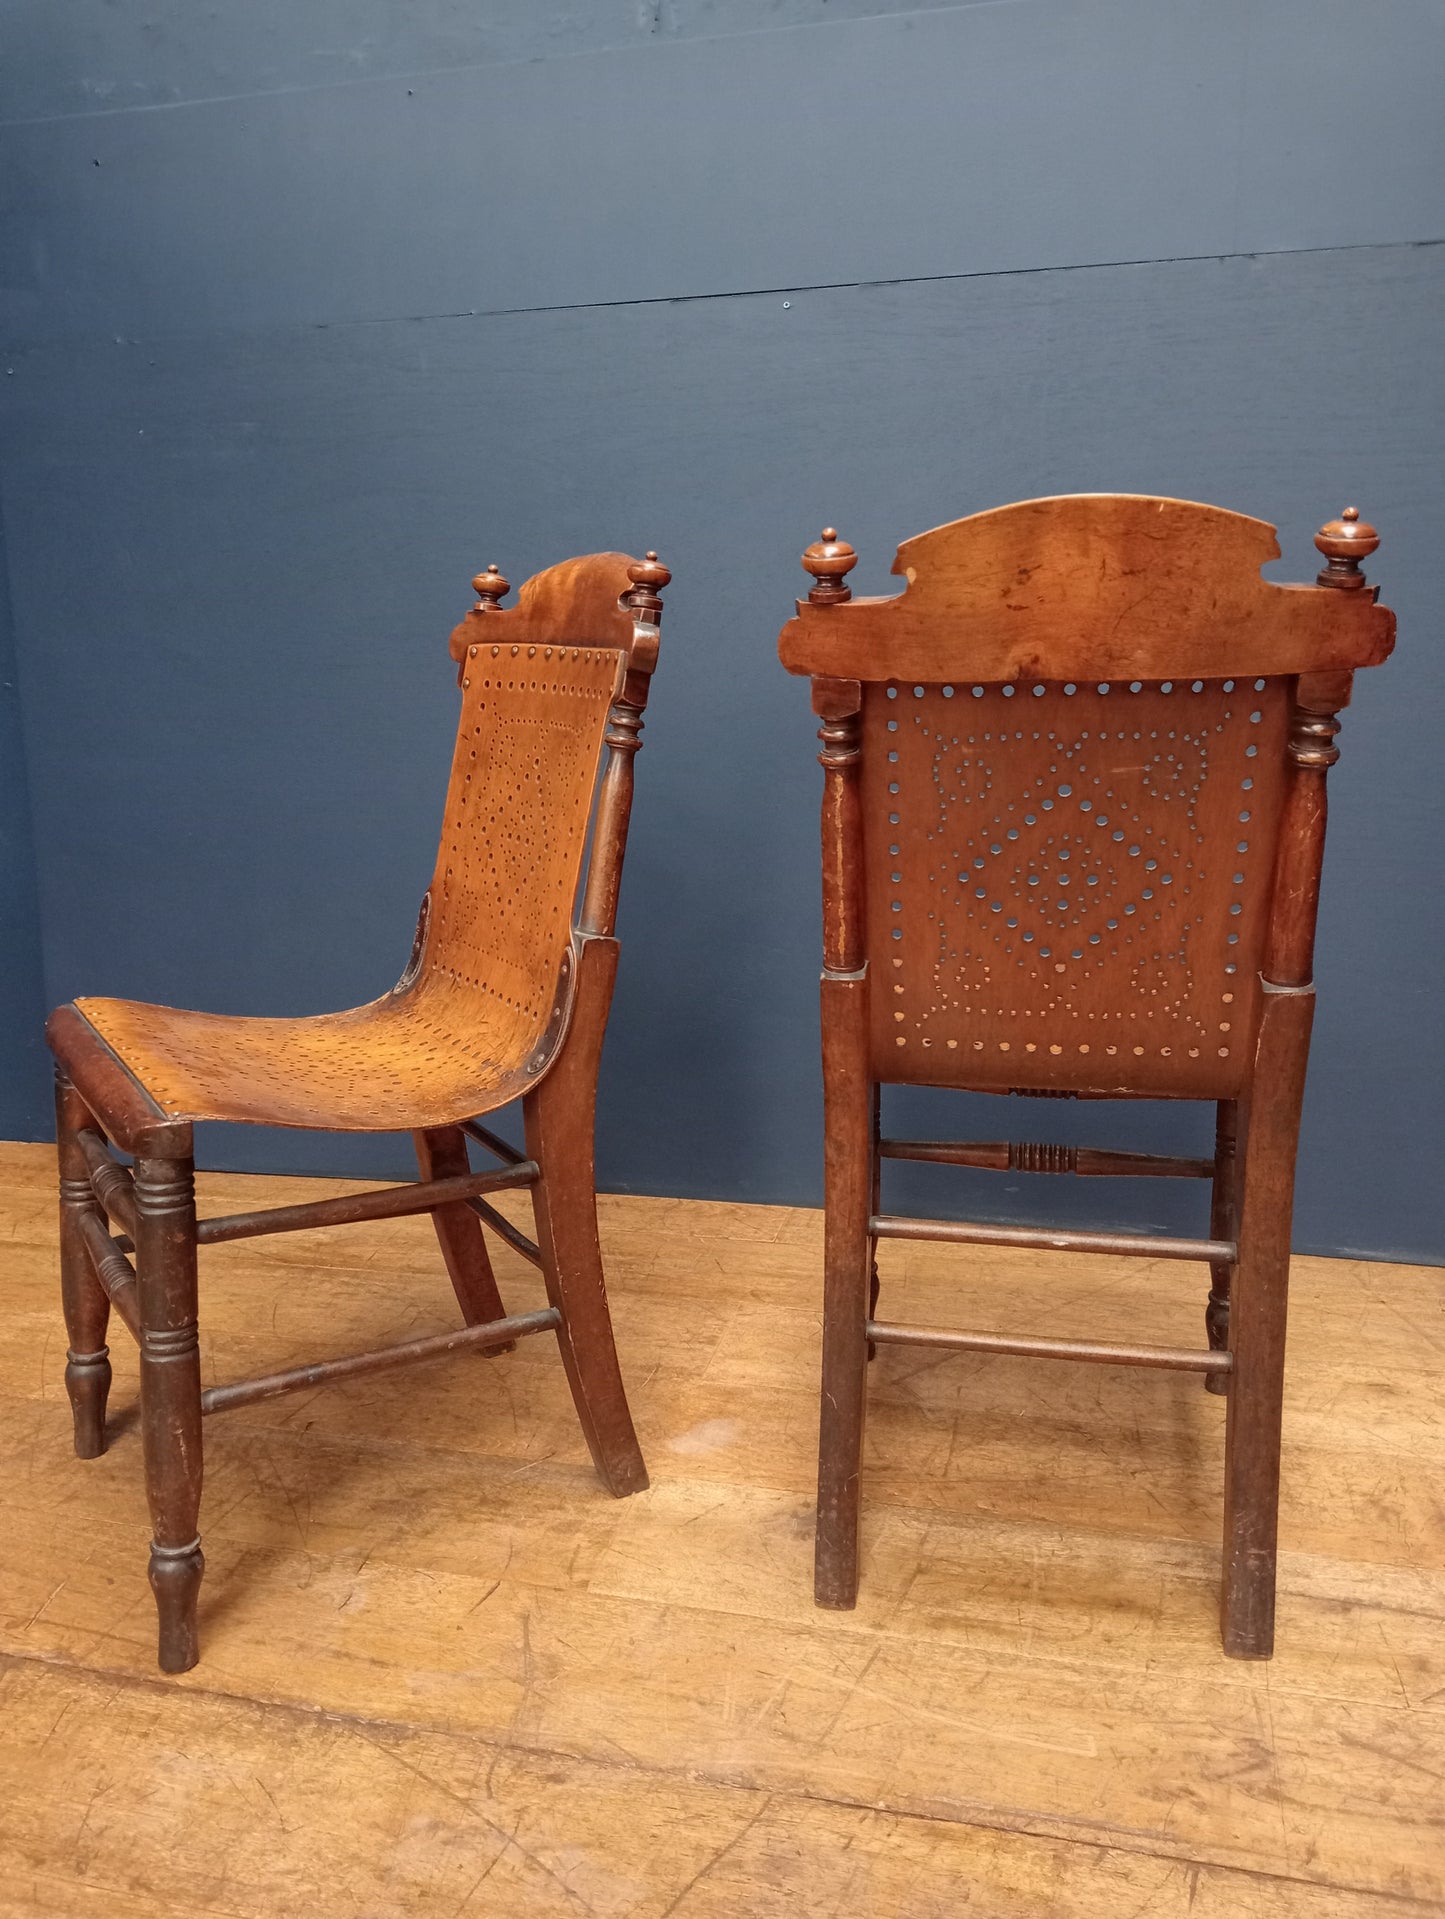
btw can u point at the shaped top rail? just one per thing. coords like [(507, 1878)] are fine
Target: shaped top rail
[(1092, 586)]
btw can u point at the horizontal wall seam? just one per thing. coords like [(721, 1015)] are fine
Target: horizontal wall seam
[(895, 280)]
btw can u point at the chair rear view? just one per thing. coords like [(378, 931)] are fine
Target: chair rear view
[(1073, 823)]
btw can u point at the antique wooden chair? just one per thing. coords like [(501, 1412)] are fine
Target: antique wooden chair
[(505, 996), (1073, 820)]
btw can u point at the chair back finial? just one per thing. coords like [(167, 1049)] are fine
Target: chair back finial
[(491, 588), (1344, 543), (830, 560), (648, 576)]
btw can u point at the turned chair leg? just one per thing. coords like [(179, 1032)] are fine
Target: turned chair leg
[(83, 1298), (1223, 1224), (441, 1153), (170, 1380)]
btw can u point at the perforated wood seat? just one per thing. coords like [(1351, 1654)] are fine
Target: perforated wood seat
[(506, 995), (1073, 823)]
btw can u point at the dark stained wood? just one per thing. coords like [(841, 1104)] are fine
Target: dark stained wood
[(504, 1229), (1028, 1156), (501, 1335), (1223, 1224), (961, 1233), (493, 1143), (1181, 1359), (558, 1116), (442, 1154), (109, 1181), (506, 993), (1072, 833), (170, 1386), (113, 1271), (84, 1298), (391, 1202)]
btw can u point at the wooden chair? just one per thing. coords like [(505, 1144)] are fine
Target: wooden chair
[(1073, 821), (505, 996)]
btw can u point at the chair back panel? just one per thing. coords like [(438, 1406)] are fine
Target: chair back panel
[(1068, 886), (508, 868)]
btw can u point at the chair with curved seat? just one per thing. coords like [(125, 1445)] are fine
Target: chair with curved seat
[(505, 996), (1073, 824)]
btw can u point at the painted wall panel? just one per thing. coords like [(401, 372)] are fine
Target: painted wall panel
[(236, 557), (952, 141)]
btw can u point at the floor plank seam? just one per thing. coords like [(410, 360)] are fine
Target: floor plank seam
[(1025, 1825)]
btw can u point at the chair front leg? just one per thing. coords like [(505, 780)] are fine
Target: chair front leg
[(170, 1380), (441, 1153), (847, 1289), (559, 1116), (1223, 1224), (83, 1298)]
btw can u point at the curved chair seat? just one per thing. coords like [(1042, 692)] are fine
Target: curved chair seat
[(430, 1056)]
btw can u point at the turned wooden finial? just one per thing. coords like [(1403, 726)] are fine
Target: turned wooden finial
[(491, 588), (1344, 543), (648, 576), (830, 560)]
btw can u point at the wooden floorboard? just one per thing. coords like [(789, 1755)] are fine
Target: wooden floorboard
[(444, 1673)]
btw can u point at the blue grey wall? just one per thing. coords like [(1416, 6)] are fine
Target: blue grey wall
[(318, 306)]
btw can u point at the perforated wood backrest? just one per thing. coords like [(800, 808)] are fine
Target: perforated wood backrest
[(1071, 739), (1068, 884), (538, 682)]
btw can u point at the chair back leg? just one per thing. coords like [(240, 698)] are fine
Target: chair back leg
[(441, 1153), (1223, 1224), (847, 1287), (170, 1383), (84, 1300), (1258, 1311), (559, 1117)]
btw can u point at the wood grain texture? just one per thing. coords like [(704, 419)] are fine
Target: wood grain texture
[(446, 1673), (1088, 586)]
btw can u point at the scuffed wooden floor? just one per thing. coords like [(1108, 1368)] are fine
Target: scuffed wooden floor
[(444, 1674)]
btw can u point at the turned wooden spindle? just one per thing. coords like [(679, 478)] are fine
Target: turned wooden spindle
[(623, 739), (491, 588), (1344, 543), (830, 561)]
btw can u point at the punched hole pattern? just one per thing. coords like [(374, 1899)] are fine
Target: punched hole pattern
[(1075, 882)]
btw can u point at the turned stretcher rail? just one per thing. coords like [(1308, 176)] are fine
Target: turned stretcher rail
[(1140, 1245), (497, 1332), (1025, 1156), (113, 1270), (109, 1181), (392, 1202), (1173, 1358)]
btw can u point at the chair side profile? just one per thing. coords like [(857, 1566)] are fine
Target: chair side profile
[(1073, 825), (505, 995)]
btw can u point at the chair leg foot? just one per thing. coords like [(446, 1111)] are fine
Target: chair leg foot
[(175, 1576), (87, 1381), (572, 1267), (1247, 1611)]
